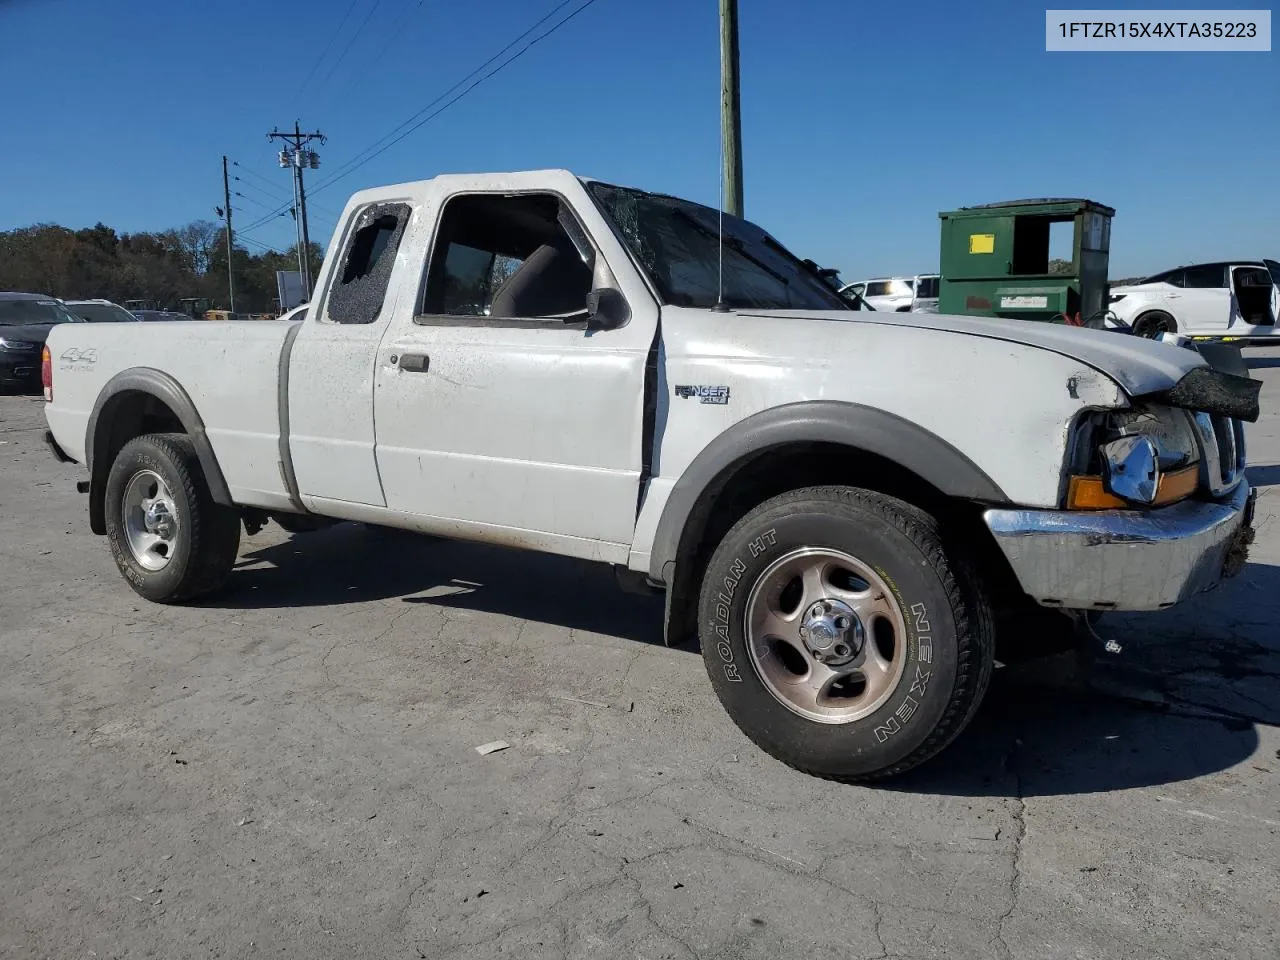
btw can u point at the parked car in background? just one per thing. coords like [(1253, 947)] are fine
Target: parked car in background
[(159, 315), (25, 322), (1237, 298), (925, 293), (898, 294), (99, 311)]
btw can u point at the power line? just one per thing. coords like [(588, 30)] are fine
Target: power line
[(393, 35), (257, 243), (278, 212), (350, 43), (277, 198), (418, 119), (262, 190), (253, 200), (253, 173), (375, 149), (324, 53)]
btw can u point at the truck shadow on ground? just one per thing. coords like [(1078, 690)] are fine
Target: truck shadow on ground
[(1181, 701), (350, 563)]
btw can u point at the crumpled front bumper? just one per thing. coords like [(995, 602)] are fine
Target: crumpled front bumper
[(1126, 559)]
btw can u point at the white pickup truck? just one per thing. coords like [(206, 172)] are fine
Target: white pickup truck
[(842, 506)]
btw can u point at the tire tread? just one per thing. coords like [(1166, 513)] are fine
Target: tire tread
[(974, 620), (214, 530)]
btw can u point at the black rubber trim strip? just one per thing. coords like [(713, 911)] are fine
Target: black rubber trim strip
[(818, 421), (282, 406), (649, 415)]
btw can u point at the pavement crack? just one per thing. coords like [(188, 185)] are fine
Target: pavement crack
[(626, 672), (1019, 835), (875, 932), (324, 662)]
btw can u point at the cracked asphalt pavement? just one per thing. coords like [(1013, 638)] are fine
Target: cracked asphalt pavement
[(289, 769)]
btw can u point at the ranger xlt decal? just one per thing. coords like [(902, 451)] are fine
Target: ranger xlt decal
[(705, 394)]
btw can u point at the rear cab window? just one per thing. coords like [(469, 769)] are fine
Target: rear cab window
[(360, 280)]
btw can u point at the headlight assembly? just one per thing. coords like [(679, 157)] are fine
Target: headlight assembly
[(1131, 469), (1144, 457)]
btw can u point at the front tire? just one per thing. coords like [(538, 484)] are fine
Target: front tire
[(841, 636), (169, 539)]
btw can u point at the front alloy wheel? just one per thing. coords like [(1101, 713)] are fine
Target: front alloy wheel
[(824, 634), (842, 635)]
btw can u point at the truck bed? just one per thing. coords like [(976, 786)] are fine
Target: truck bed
[(239, 404)]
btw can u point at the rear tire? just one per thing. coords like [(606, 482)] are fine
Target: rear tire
[(169, 539), (1152, 325), (898, 637)]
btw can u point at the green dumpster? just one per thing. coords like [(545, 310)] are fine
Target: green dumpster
[(995, 261)]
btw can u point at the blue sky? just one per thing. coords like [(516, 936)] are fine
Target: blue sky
[(860, 121)]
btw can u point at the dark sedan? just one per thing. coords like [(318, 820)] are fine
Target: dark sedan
[(25, 322)]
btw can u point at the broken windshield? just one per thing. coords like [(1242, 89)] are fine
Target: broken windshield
[(676, 243)]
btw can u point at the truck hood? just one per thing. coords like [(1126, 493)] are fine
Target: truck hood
[(1138, 365)]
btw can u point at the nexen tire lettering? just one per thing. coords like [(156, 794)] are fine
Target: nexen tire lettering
[(920, 682)]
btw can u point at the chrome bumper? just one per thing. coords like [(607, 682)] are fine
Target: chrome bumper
[(1126, 559)]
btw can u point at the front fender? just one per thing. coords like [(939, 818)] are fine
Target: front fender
[(853, 425)]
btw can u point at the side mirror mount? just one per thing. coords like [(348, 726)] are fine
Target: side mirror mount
[(607, 309)]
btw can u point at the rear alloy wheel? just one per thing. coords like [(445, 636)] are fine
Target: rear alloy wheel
[(169, 539), (1152, 325), (841, 635)]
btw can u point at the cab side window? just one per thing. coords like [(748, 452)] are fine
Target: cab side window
[(522, 257), (360, 284)]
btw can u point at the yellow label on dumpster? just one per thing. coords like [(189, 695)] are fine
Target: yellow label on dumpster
[(982, 243)]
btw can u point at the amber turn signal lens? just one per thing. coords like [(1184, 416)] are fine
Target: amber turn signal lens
[(1088, 493), (1178, 485)]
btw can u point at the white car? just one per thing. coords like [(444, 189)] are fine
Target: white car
[(850, 511), (898, 294), (1238, 298)]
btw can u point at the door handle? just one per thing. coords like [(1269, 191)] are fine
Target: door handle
[(414, 362)]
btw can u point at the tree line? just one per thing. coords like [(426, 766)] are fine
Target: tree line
[(167, 267)]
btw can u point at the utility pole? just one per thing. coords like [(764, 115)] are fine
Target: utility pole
[(300, 158), (226, 211), (730, 114)]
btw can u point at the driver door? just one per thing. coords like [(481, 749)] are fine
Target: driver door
[(498, 412)]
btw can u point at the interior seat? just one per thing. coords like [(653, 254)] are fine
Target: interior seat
[(551, 282)]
